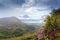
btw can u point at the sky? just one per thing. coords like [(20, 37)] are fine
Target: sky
[(28, 11)]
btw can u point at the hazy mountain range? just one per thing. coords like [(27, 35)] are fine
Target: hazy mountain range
[(12, 26)]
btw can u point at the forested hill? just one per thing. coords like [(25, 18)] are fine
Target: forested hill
[(12, 27), (51, 28)]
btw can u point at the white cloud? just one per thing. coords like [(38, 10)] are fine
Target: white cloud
[(45, 0), (34, 12)]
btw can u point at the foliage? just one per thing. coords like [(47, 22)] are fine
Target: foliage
[(26, 36), (13, 28), (52, 24)]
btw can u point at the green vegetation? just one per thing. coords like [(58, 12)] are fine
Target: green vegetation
[(17, 34), (52, 26), (20, 31), (12, 28), (26, 36)]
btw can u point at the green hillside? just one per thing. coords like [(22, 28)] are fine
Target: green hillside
[(52, 25), (12, 28)]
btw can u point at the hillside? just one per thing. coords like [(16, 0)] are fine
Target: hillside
[(11, 27), (51, 28)]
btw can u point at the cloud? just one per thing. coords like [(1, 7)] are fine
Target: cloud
[(28, 3), (51, 3), (18, 2), (27, 9), (36, 13), (11, 3)]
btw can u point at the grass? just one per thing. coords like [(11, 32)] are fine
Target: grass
[(27, 36)]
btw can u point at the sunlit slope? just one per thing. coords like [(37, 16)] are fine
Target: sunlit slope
[(12, 27), (52, 25)]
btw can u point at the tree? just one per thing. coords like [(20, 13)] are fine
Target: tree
[(52, 22)]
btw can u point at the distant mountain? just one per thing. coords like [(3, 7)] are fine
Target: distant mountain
[(12, 26), (10, 22)]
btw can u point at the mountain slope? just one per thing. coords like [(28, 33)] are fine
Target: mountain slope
[(13, 27), (10, 21)]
